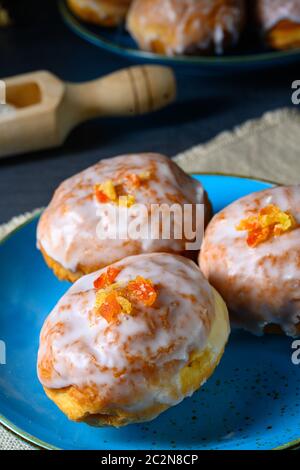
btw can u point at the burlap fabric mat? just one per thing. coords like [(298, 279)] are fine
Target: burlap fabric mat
[(265, 148)]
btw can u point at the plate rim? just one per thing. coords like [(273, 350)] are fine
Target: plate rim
[(40, 444), (82, 30)]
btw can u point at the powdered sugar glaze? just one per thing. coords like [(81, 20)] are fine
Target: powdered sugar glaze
[(131, 357), (67, 230), (260, 285)]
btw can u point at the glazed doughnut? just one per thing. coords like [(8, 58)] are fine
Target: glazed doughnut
[(114, 367), (251, 255), (174, 27), (280, 22), (102, 12), (68, 229)]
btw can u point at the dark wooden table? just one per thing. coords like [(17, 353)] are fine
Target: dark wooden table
[(205, 107)]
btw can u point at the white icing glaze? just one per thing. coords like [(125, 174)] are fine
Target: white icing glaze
[(186, 25), (82, 349), (260, 285), (271, 12), (67, 228)]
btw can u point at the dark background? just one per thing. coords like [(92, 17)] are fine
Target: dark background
[(205, 106)]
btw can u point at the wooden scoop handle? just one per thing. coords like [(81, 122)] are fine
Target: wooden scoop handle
[(132, 91), (45, 109)]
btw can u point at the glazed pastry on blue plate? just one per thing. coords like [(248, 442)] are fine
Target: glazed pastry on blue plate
[(85, 204), (251, 255), (280, 22), (131, 340), (177, 27)]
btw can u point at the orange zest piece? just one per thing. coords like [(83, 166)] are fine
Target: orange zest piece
[(143, 290), (271, 221), (110, 303), (110, 308), (115, 193), (126, 201), (108, 192), (112, 273), (145, 175), (101, 197), (113, 298), (107, 278), (125, 304), (100, 282), (105, 192)]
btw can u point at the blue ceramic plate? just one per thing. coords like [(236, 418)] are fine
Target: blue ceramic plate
[(249, 55), (251, 402)]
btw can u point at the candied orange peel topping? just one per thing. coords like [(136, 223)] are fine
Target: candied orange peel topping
[(109, 308), (113, 298), (143, 290), (115, 193), (107, 278), (270, 222), (106, 192), (126, 201)]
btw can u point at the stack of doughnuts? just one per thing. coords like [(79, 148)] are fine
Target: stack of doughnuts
[(176, 27)]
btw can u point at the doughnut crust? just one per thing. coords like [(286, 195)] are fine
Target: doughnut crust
[(101, 12), (132, 370), (279, 21), (67, 232), (260, 284), (177, 27)]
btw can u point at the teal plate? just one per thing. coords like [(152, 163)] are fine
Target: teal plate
[(251, 402), (249, 55)]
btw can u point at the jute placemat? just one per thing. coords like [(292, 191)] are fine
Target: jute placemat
[(265, 148)]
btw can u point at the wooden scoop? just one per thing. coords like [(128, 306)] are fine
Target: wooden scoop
[(41, 110)]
